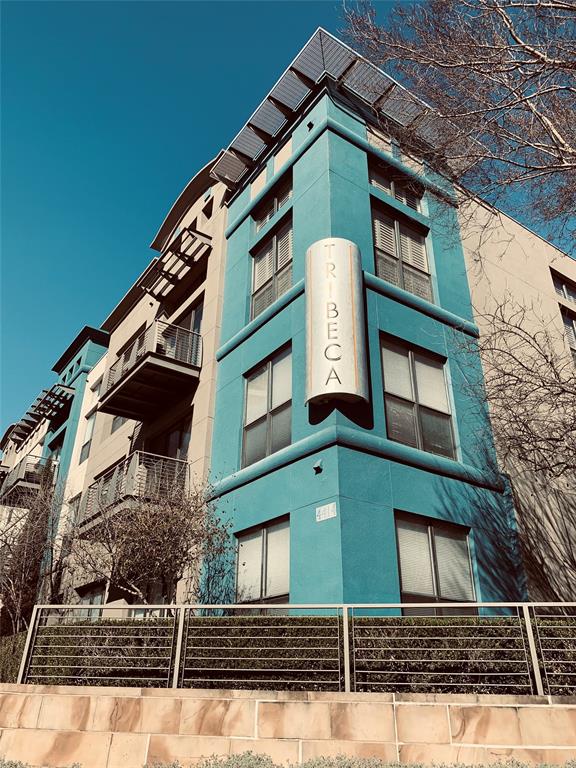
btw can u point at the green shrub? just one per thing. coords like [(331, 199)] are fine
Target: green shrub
[(11, 649), (251, 760)]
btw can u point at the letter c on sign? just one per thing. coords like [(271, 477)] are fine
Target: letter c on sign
[(330, 346)]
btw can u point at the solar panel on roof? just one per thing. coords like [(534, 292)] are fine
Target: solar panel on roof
[(336, 56), (401, 106), (268, 118), (290, 90), (248, 143), (367, 81)]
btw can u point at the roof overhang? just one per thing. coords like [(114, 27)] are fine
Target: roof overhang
[(49, 404), (322, 57), (86, 334)]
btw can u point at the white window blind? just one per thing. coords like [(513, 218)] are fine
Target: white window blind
[(278, 559), (397, 376), (412, 248), (379, 180), (431, 383), (384, 233), (416, 568), (284, 246), (453, 562), (249, 566), (570, 328), (257, 396), (263, 265)]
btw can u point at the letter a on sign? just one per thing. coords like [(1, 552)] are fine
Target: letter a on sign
[(336, 364)]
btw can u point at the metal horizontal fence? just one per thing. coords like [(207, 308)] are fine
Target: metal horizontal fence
[(517, 648), (32, 470)]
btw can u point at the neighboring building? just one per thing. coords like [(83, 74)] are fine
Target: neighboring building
[(147, 417), (43, 439), (511, 268), (338, 430)]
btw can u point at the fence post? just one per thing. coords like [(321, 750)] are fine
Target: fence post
[(346, 641), (533, 653), (178, 654), (27, 646)]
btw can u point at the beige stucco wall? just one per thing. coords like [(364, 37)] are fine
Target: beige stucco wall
[(126, 727), (506, 261)]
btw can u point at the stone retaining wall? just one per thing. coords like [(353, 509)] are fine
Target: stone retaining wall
[(126, 727)]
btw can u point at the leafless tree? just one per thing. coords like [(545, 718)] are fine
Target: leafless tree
[(499, 79), (145, 546), (30, 554), (530, 387)]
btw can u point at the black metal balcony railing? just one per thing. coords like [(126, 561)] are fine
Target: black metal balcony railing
[(141, 475), (30, 472), (160, 338)]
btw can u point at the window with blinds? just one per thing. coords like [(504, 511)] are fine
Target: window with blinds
[(570, 331), (416, 399), (434, 564), (272, 269), (268, 409), (400, 255), (564, 287), (263, 563), (383, 178), (272, 204)]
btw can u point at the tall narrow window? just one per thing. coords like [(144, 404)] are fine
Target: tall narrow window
[(570, 331), (272, 269), (400, 254), (416, 398), (272, 204), (434, 562), (268, 410), (263, 570), (88, 432)]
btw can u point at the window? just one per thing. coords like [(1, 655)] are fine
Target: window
[(400, 255), (117, 422), (416, 399), (564, 287), (384, 178), (263, 566), (93, 595), (272, 269), (570, 330), (272, 204), (89, 431), (268, 410), (434, 563)]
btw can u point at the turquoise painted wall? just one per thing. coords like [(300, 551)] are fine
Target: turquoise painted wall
[(74, 375), (353, 557)]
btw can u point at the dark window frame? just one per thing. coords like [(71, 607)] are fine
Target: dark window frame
[(278, 273), (418, 407), (262, 528), (433, 524), (267, 365)]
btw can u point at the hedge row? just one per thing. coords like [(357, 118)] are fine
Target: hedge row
[(407, 654), (11, 649)]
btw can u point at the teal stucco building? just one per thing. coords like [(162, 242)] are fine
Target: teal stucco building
[(391, 498)]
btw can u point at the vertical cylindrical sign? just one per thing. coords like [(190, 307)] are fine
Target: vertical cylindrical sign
[(335, 338)]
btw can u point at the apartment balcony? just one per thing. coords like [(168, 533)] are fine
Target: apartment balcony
[(164, 361), (27, 477), (144, 476)]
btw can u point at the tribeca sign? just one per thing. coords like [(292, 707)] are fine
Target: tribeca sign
[(335, 336)]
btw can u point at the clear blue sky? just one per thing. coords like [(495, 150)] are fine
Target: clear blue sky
[(109, 108)]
